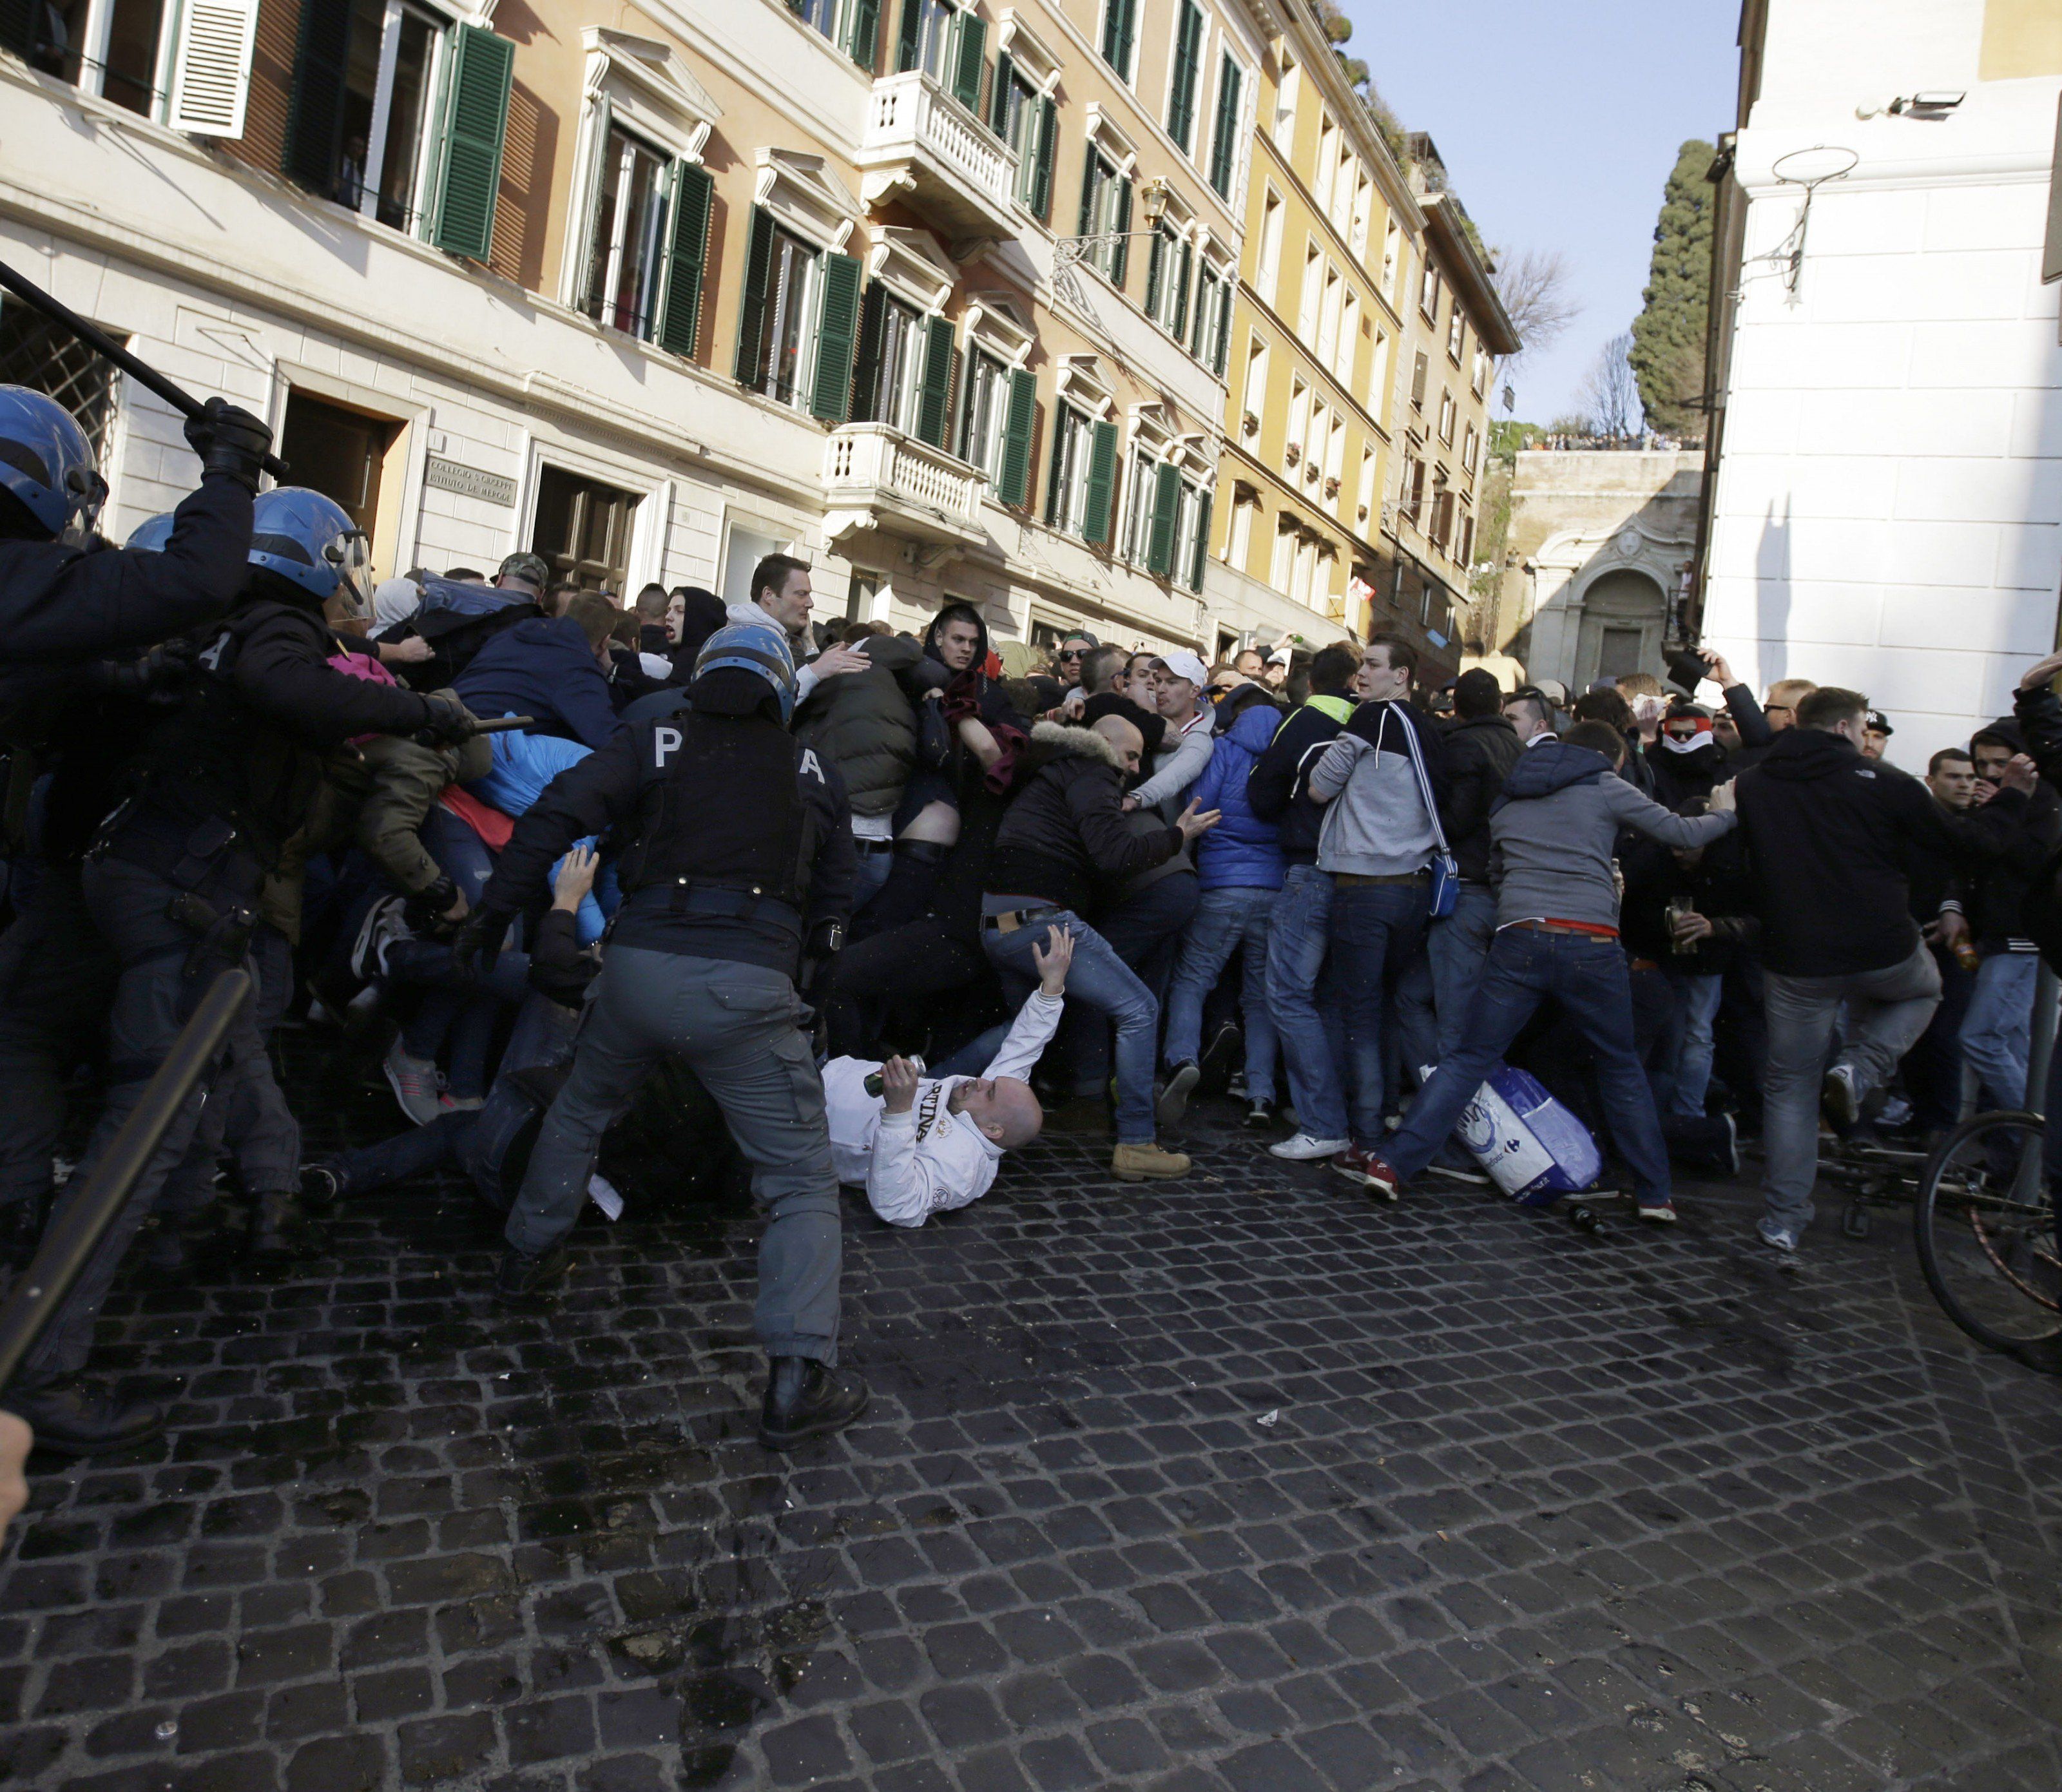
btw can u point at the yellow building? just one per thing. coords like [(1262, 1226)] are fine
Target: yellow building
[(1457, 330), (1323, 284)]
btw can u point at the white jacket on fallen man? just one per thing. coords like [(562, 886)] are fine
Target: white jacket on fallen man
[(928, 1144)]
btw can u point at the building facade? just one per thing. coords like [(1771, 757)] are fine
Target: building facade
[(1886, 509), (1456, 331), (657, 289)]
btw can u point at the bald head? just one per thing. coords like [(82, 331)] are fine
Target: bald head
[(1004, 1107), (1124, 737)]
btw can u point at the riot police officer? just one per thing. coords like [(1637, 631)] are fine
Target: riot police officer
[(63, 601), (740, 863), (217, 790)]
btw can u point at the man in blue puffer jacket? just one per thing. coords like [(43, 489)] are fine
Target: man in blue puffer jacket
[(1240, 868)]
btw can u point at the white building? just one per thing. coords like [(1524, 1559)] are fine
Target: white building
[(1887, 513)]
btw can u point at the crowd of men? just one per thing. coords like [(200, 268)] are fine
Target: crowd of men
[(880, 914)]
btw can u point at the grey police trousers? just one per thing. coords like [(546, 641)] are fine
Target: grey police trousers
[(736, 1025)]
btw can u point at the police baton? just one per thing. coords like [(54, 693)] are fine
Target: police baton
[(98, 340), (505, 725), (78, 1226)]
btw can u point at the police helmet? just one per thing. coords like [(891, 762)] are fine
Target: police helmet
[(753, 647), (150, 537), (309, 541), (46, 461)]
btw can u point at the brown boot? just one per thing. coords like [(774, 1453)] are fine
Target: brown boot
[(1134, 1162)]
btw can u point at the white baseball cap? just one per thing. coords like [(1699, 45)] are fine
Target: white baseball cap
[(1184, 664)]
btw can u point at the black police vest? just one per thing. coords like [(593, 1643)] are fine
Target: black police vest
[(216, 758), (726, 811)]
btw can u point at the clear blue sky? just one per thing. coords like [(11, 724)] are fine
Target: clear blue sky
[(1558, 121)]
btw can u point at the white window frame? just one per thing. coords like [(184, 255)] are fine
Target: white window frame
[(1258, 352), (1371, 465), (1311, 297), (987, 451), (1288, 95), (1392, 257), (1272, 214), (633, 140), (1349, 346), (651, 92), (1457, 328), (1073, 444)]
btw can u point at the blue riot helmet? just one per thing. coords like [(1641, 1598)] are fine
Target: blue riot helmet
[(150, 537), (309, 540), (753, 647), (46, 461)]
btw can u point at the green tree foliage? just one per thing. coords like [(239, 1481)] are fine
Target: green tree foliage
[(1667, 352)]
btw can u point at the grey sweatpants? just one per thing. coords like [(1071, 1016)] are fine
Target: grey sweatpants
[(737, 1026), (1889, 1009)]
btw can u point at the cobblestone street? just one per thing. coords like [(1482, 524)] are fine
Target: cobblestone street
[(1240, 1483)]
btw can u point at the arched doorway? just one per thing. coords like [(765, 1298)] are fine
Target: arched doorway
[(1624, 614)]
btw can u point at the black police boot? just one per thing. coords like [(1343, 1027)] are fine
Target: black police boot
[(73, 1418), (525, 1273), (805, 1399), (279, 1227)]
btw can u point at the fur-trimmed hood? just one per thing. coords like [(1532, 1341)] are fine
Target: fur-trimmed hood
[(1058, 740)]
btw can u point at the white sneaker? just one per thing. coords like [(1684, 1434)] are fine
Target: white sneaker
[(1304, 1149), (414, 1081), (1841, 1098), (385, 922)]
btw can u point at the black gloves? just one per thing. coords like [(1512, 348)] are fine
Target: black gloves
[(449, 723), (230, 440), (425, 909), (477, 946), (162, 673)]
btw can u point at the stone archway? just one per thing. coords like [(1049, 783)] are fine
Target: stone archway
[(1600, 603), (1624, 612)]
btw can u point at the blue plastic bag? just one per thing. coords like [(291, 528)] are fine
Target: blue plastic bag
[(1532, 1147)]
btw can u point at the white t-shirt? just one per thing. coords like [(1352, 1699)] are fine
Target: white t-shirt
[(929, 1159)]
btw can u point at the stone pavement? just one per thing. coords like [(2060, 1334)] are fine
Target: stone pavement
[(1242, 1482)]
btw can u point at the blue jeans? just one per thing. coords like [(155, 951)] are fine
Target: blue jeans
[(1299, 932), (1588, 978), (1102, 981), (1225, 919), (1692, 1068), (1376, 931), (1998, 1028), (1458, 946)]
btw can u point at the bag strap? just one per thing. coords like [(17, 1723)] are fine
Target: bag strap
[(1425, 786)]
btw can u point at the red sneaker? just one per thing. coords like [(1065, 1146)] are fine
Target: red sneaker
[(1367, 1169)]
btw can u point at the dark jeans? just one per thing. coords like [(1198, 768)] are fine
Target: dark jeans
[(1144, 930), (919, 958), (461, 1020), (1932, 1069), (1587, 976), (1376, 931), (1660, 1016), (1297, 934)]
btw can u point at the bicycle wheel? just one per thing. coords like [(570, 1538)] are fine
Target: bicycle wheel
[(1985, 1227)]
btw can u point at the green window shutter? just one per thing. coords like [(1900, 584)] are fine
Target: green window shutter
[(315, 122), (1155, 261), (837, 330), (1015, 486), (1119, 25), (596, 173), (1182, 100), (1182, 296), (687, 250), (1041, 176), (863, 34), (1102, 484), (1120, 262), (1088, 194), (752, 318), (913, 20), (1205, 286), (998, 98), (475, 117), (866, 369), (1224, 146), (968, 62), (1222, 357), (934, 400), (1167, 510), (1065, 423), (1203, 553)]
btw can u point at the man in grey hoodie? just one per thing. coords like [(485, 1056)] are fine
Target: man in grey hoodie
[(1552, 832)]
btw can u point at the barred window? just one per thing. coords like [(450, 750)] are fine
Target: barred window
[(45, 357)]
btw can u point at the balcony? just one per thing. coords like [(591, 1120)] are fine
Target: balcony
[(876, 477), (919, 145)]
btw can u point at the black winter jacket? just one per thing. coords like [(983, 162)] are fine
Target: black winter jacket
[(1830, 835), (1066, 827), (1479, 754), (59, 602), (1278, 788)]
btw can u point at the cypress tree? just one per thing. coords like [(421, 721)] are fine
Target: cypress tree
[(1667, 353)]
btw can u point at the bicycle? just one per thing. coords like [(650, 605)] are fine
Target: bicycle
[(1984, 1224)]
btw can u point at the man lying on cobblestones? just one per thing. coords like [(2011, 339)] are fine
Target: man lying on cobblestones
[(928, 1144)]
